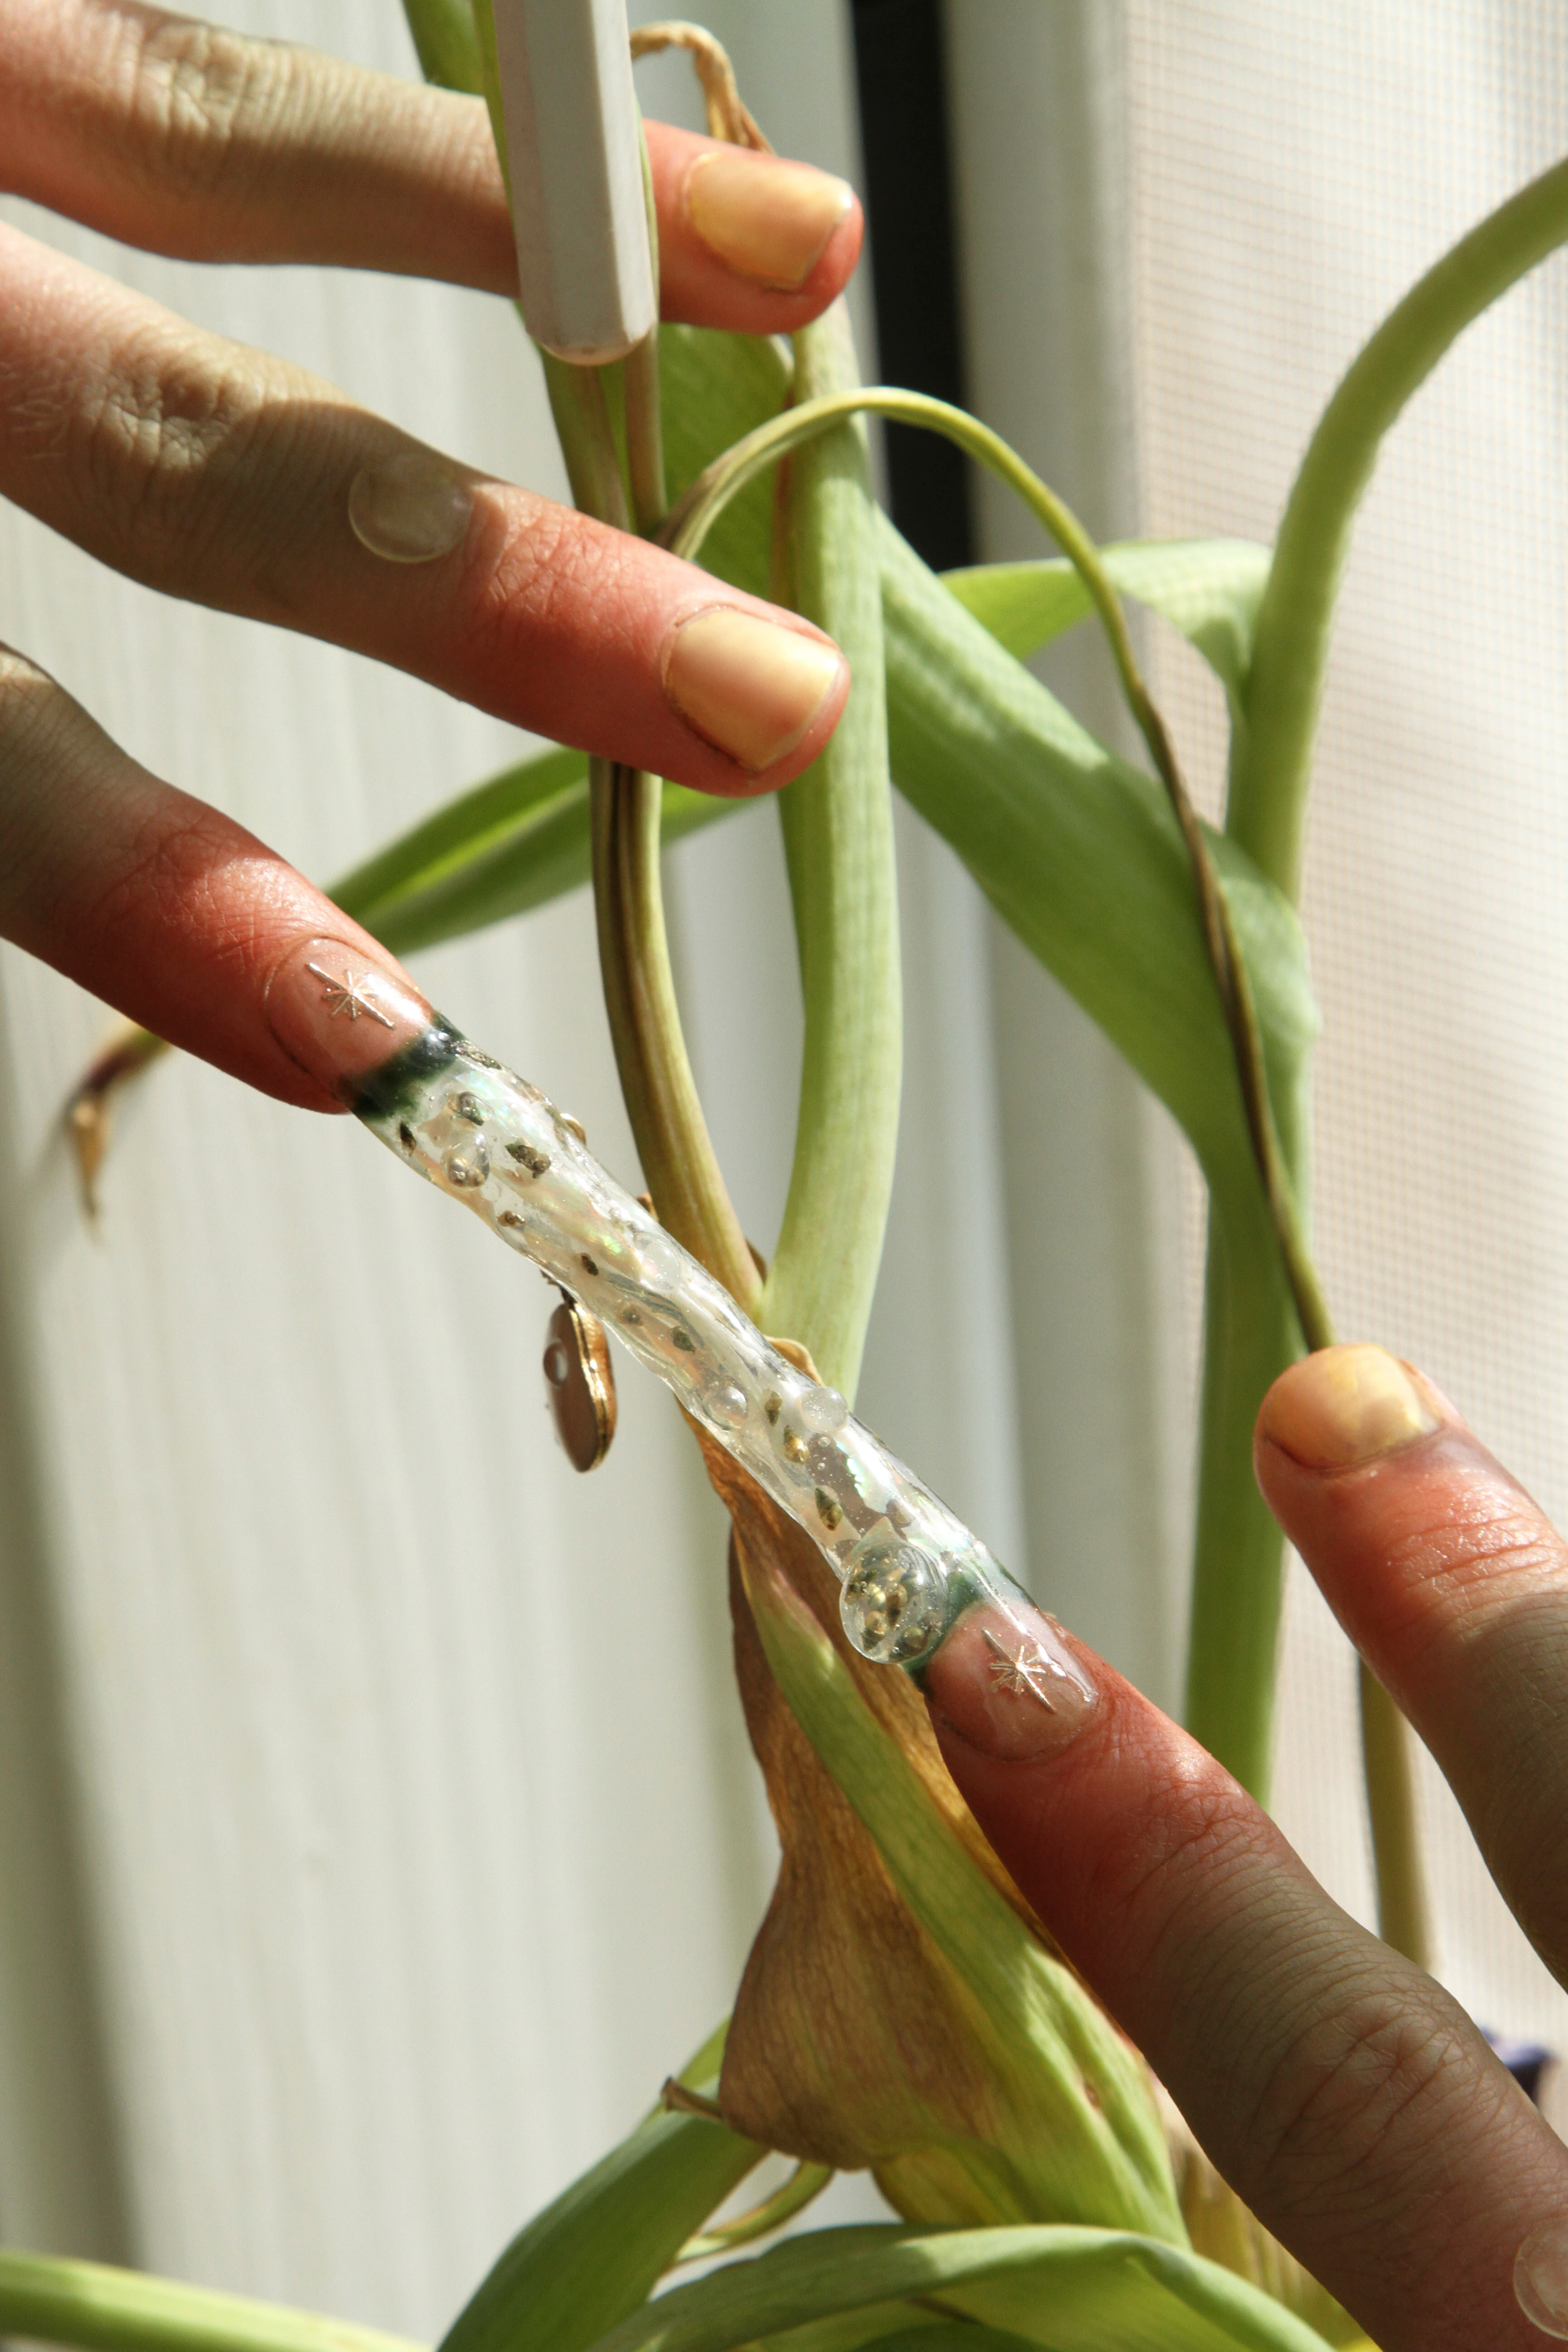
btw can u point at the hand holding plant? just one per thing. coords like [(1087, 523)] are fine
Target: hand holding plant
[(914, 2002)]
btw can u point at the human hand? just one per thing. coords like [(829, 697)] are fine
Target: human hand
[(215, 473), (1341, 2093)]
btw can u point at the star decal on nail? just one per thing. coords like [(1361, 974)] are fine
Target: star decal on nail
[(1016, 1671), (348, 995)]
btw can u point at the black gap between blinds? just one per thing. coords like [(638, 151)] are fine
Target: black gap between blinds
[(899, 76)]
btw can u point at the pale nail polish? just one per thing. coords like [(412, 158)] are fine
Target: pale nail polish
[(766, 218), (341, 1014), (1541, 2278), (412, 508), (748, 687), (1345, 1405), (1006, 1681)]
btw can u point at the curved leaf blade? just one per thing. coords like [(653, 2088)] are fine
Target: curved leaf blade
[(1075, 2290), (596, 2254), (1210, 589)]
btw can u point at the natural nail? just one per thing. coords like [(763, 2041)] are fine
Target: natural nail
[(340, 1013), (769, 219), (747, 685), (1006, 1681), (412, 508), (1345, 1405), (1541, 2278)]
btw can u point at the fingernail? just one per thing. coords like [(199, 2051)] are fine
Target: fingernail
[(412, 508), (1541, 2278), (340, 1013), (1345, 1405), (1006, 1680), (748, 687), (769, 219)]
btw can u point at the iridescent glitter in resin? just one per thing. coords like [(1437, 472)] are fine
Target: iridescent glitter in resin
[(907, 1565)]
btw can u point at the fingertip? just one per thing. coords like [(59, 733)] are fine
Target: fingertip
[(766, 693), (1344, 1406), (749, 240)]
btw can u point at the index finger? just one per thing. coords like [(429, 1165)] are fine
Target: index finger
[(189, 139), (1340, 2091)]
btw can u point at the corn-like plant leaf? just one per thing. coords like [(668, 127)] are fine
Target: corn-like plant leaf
[(1079, 853), (1075, 2290), (594, 2254), (510, 844), (1210, 589)]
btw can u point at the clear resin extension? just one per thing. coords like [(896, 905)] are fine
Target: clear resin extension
[(908, 1567)]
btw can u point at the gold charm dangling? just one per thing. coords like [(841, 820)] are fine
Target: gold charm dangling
[(580, 1383)]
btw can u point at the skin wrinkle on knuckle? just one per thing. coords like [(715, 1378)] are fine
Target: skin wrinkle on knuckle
[(1366, 2072), (196, 97), (188, 451)]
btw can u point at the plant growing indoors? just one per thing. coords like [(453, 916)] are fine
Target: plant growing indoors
[(1044, 2193)]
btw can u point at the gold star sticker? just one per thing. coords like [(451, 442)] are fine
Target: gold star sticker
[(348, 995), (1016, 1671)]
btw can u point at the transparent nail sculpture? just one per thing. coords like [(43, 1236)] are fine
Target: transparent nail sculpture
[(907, 1566)]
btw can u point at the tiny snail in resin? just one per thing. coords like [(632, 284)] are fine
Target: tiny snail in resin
[(908, 1565)]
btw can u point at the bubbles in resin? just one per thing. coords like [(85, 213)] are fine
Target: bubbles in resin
[(467, 1164), (491, 1141), (891, 1604), (824, 1410)]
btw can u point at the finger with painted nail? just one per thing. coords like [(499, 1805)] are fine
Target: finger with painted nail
[(286, 155), (168, 909), (1454, 1586), (1341, 2093), (289, 503)]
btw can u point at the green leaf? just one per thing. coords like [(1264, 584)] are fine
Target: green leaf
[(51, 2298), (715, 388), (1062, 2121), (947, 2336), (1075, 2290), (1210, 589), (1079, 853), (510, 844), (848, 2331), (448, 47), (596, 2254)]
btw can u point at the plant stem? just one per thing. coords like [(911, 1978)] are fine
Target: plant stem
[(1389, 1764), (1250, 1334), (1272, 760), (838, 825), (52, 2298), (581, 416), (1270, 772), (672, 1138)]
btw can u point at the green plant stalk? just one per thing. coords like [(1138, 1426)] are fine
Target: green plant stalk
[(837, 822), (1270, 773), (53, 2299), (672, 1138), (1272, 759), (1388, 1765)]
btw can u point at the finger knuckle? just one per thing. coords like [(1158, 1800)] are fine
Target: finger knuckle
[(171, 421), (193, 97), (1347, 2110)]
